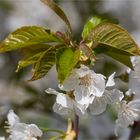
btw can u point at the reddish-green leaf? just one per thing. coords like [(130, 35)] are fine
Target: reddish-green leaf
[(31, 55), (58, 11), (114, 36), (27, 36), (44, 63)]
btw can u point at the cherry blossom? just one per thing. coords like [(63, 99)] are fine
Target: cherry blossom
[(2, 138), (21, 131), (85, 84), (134, 77), (112, 96), (127, 114), (65, 103)]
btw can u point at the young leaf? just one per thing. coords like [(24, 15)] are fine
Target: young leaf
[(114, 36), (119, 55), (66, 59), (58, 11), (31, 55), (44, 63), (27, 36), (29, 60), (91, 24), (87, 51)]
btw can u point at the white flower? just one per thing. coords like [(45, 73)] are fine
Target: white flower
[(2, 138), (85, 83), (21, 131), (134, 77), (109, 97), (65, 103), (127, 114)]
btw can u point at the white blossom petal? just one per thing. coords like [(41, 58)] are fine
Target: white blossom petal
[(51, 91), (134, 104), (70, 83), (127, 114), (12, 118), (98, 106), (58, 108), (61, 98), (21, 131), (134, 77), (80, 110), (84, 70), (113, 96), (34, 131), (111, 81), (82, 95), (2, 138), (97, 84), (64, 100)]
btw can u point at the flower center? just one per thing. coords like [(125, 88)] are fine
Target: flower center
[(85, 80), (70, 94)]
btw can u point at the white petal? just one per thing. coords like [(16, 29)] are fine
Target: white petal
[(97, 85), (17, 136), (58, 108), (2, 138), (111, 81), (18, 131), (52, 91), (70, 82), (64, 100), (128, 113), (34, 138), (19, 127), (61, 98), (80, 110), (113, 96), (135, 61), (134, 104), (12, 118), (98, 106), (34, 130), (84, 70), (82, 95), (135, 107)]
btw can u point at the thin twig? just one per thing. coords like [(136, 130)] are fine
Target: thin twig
[(76, 126)]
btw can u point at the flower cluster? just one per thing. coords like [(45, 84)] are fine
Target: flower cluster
[(85, 91), (21, 131)]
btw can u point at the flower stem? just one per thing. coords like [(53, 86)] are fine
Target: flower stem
[(76, 126)]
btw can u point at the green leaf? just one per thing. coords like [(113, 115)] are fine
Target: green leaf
[(119, 55), (27, 36), (91, 24), (58, 11), (114, 36), (44, 63), (28, 61), (87, 51), (66, 59), (31, 55)]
